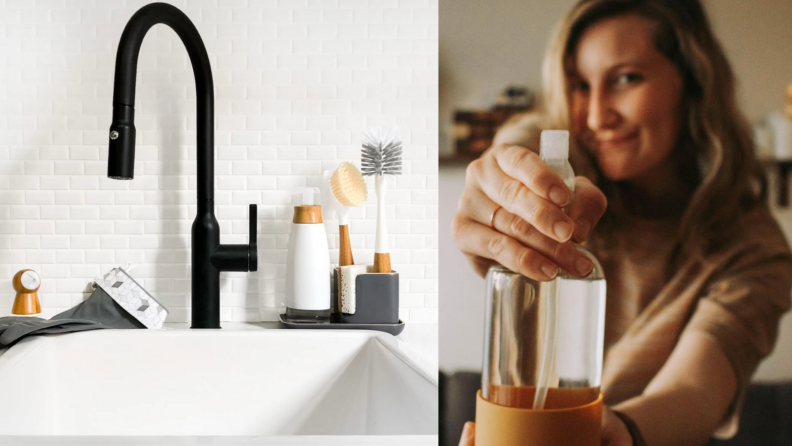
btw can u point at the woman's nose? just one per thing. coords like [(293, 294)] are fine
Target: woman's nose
[(601, 114)]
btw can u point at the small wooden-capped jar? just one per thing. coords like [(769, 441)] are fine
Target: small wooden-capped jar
[(26, 283)]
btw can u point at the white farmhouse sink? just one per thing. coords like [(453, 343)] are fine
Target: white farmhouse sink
[(214, 383)]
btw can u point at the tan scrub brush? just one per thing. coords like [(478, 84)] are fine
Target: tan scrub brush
[(349, 188)]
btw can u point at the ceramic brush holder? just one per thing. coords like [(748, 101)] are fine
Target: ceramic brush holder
[(376, 297)]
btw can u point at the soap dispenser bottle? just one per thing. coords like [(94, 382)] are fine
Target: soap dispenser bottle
[(307, 262)]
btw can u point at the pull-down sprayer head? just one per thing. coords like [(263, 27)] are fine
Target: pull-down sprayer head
[(121, 159)]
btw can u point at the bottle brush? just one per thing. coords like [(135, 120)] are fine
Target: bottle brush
[(381, 156)]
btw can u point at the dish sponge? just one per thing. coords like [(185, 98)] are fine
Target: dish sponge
[(346, 286)]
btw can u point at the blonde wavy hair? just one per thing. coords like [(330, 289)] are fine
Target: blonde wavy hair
[(716, 138)]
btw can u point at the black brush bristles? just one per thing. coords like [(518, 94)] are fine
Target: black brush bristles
[(382, 150)]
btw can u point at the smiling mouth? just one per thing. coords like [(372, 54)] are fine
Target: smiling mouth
[(605, 143)]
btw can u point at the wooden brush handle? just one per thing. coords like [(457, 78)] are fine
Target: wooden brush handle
[(382, 262), (345, 247)]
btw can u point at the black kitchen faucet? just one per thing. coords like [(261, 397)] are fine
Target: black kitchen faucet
[(209, 257)]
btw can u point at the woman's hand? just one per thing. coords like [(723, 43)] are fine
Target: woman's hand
[(468, 434), (510, 187), (614, 432)]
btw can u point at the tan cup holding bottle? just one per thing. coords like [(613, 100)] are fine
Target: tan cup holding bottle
[(498, 425)]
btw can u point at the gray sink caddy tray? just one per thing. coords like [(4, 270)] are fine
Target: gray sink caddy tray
[(393, 329)]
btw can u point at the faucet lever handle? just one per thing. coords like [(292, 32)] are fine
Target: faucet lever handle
[(252, 242)]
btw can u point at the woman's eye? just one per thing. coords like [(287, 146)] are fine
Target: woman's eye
[(627, 78), (579, 86)]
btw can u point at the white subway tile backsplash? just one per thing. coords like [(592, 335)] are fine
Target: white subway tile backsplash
[(98, 227), (262, 183), (296, 82), (19, 182), (24, 241), (69, 227), (423, 314), (69, 256)]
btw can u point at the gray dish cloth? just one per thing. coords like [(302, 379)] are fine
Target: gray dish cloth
[(97, 312)]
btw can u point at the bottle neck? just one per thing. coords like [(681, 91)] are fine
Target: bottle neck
[(563, 169)]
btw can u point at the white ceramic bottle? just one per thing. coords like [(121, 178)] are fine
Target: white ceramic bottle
[(307, 262)]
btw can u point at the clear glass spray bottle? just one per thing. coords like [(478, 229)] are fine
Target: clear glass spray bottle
[(544, 340)]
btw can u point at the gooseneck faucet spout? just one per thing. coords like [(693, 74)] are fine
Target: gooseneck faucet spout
[(209, 257)]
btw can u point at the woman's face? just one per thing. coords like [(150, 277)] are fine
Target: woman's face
[(625, 99)]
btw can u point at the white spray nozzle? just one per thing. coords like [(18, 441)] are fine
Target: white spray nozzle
[(554, 144), (306, 196)]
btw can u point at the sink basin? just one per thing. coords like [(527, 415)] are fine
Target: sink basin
[(214, 383)]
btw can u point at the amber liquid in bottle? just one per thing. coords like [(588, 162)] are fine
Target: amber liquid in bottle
[(522, 397)]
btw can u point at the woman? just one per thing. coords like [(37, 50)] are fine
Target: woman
[(671, 200)]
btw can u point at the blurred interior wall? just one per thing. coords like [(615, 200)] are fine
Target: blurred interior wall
[(485, 46)]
